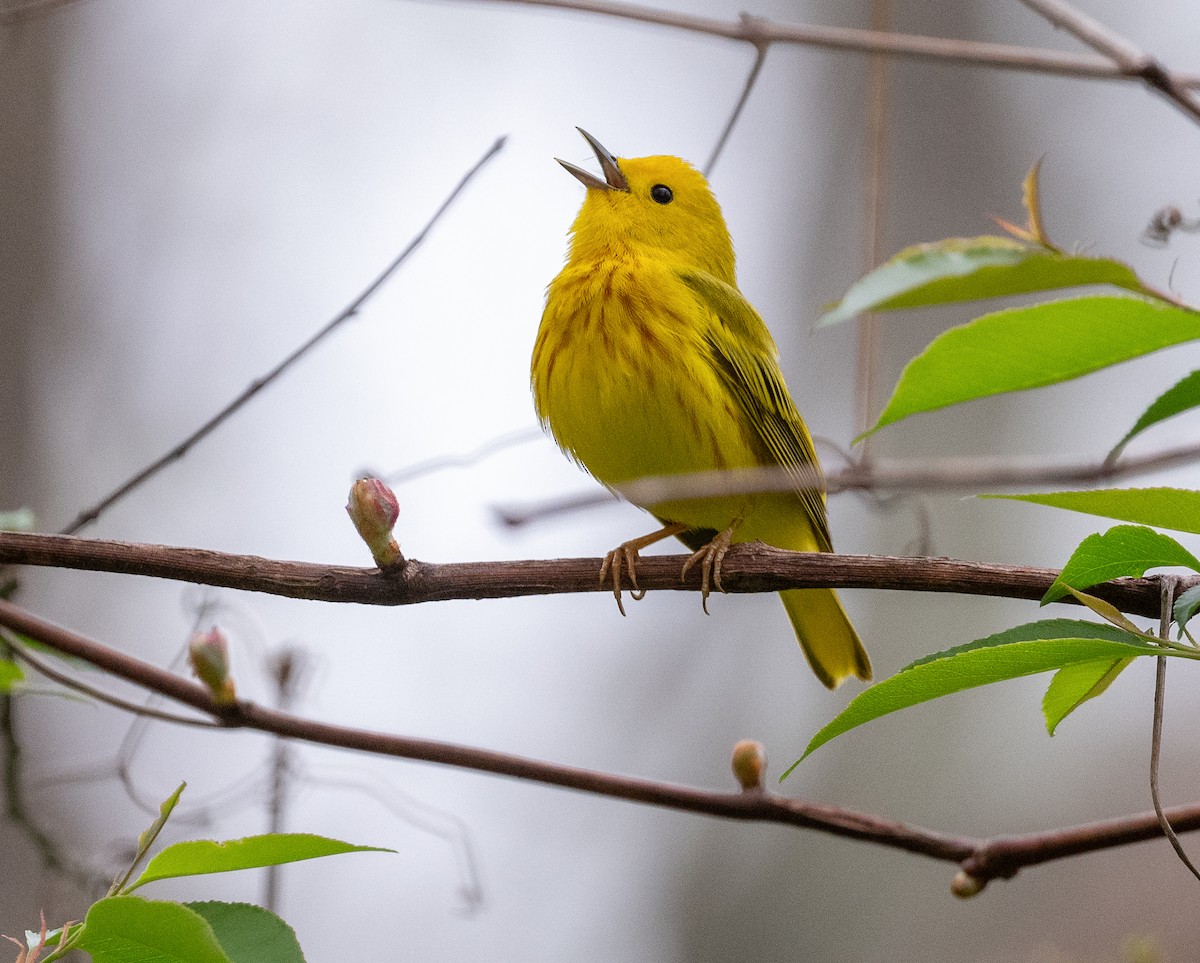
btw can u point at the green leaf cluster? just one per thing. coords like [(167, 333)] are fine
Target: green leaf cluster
[(1024, 347), (123, 928)]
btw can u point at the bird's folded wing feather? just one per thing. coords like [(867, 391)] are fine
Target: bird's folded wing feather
[(744, 354)]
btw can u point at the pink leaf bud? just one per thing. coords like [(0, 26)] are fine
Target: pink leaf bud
[(208, 654), (373, 509)]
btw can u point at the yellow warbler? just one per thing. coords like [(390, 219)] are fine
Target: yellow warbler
[(649, 361)]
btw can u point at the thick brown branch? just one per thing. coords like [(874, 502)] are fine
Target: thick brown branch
[(755, 30), (984, 859), (747, 568)]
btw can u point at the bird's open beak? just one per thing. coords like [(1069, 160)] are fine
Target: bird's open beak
[(614, 180)]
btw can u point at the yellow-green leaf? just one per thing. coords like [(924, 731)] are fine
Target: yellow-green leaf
[(973, 269), (1030, 347), (1177, 399), (1024, 650), (1124, 550), (1073, 685), (1177, 509)]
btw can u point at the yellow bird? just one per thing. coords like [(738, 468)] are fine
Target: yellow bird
[(649, 361)]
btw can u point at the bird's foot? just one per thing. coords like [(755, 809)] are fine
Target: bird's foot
[(625, 556), (709, 558)]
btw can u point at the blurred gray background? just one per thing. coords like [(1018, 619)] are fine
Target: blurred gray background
[(189, 190)]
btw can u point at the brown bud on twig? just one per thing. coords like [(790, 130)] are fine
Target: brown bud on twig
[(373, 509), (750, 764), (964, 885)]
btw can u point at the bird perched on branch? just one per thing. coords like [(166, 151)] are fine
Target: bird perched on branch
[(649, 361)]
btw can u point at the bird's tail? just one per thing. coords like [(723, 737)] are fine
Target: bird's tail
[(829, 641)]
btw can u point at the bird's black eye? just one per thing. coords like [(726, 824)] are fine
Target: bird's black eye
[(661, 194)]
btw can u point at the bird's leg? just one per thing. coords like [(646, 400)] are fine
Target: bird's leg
[(627, 553), (710, 558)]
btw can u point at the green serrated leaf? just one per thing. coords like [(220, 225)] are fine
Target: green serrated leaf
[(1177, 399), (1177, 509), (980, 663), (124, 929), (1186, 606), (1073, 685), (250, 934), (1124, 550), (198, 857), (1030, 631), (973, 269), (1021, 348)]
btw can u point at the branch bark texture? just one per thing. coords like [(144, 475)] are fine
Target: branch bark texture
[(747, 568)]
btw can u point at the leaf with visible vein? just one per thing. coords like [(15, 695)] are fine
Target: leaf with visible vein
[(1124, 550), (250, 934), (202, 856), (1024, 650), (1030, 347), (121, 929), (974, 269), (1073, 685)]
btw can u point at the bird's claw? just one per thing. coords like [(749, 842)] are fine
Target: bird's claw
[(610, 570), (709, 558)]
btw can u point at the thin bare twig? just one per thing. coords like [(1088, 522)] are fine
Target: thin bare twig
[(942, 474), (1130, 59), (1167, 589), (91, 514), (983, 859), (968, 52), (442, 462), (760, 57)]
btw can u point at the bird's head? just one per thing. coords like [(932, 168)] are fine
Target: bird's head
[(651, 203)]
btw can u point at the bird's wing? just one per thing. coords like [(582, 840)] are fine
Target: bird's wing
[(745, 355)]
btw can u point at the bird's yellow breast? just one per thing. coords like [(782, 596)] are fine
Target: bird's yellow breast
[(623, 375)]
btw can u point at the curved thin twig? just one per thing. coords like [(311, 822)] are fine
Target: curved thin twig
[(760, 58), (1131, 60), (925, 475), (757, 30), (89, 515), (983, 859), (1169, 584)]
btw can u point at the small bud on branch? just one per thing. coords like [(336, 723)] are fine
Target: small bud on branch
[(374, 509), (208, 655)]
